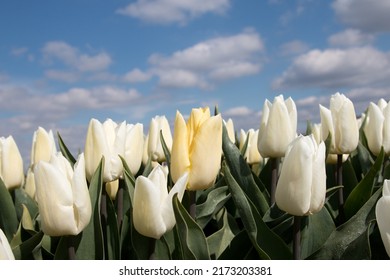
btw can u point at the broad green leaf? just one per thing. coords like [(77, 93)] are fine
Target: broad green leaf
[(129, 180), (268, 244), (342, 243), (27, 250), (214, 202), (162, 251), (90, 246), (243, 175), (113, 241), (22, 199), (221, 239), (8, 220), (65, 151), (192, 239), (318, 227), (240, 248), (362, 192)]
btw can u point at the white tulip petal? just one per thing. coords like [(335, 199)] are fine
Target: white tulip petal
[(5, 248)]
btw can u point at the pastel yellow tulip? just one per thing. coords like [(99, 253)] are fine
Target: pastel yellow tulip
[(197, 148)]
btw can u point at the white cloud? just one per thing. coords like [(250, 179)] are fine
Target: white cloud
[(137, 76), (371, 16), (64, 76), (19, 51), (239, 111), (172, 11), (72, 57), (3, 77), (293, 48), (350, 38), (209, 61), (332, 68)]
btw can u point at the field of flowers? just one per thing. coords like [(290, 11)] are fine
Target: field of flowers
[(204, 191)]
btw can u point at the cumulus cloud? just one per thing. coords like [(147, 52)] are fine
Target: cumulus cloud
[(350, 38), (335, 68), (293, 48), (72, 57), (137, 76), (371, 16), (172, 11), (210, 61)]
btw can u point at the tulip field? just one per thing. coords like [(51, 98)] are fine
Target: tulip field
[(204, 191)]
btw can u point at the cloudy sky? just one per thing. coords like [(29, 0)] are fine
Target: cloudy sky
[(64, 62)]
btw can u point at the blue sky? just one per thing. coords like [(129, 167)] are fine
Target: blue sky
[(64, 62)]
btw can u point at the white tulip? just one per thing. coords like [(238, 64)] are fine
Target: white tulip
[(62, 195), (11, 163), (152, 210), (5, 248), (108, 140), (301, 187), (43, 145), (278, 127), (382, 210), (340, 121), (155, 150), (252, 154)]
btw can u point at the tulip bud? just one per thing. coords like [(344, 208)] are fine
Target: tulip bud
[(340, 121), (43, 145), (62, 195), (197, 148), (5, 248), (11, 163), (155, 150), (377, 128), (230, 130), (134, 146), (301, 187), (108, 140), (382, 210), (152, 210), (278, 127), (252, 154), (29, 186)]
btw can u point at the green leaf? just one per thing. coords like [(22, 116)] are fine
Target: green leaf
[(346, 242), (266, 242), (112, 231), (23, 199), (65, 151), (362, 192), (318, 228), (27, 250), (8, 220), (240, 248), (215, 201), (91, 243), (242, 173), (221, 239), (192, 239), (129, 180)]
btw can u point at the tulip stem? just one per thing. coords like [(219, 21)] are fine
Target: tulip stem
[(297, 238), (274, 177), (152, 247), (71, 249), (192, 204), (339, 181), (104, 217), (119, 204)]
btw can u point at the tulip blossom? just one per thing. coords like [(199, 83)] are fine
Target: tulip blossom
[(197, 148), (340, 121), (377, 128), (5, 248), (134, 146), (278, 127), (301, 187), (230, 130), (252, 154), (152, 210), (43, 145), (62, 196), (108, 140), (382, 210), (11, 163), (155, 150)]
